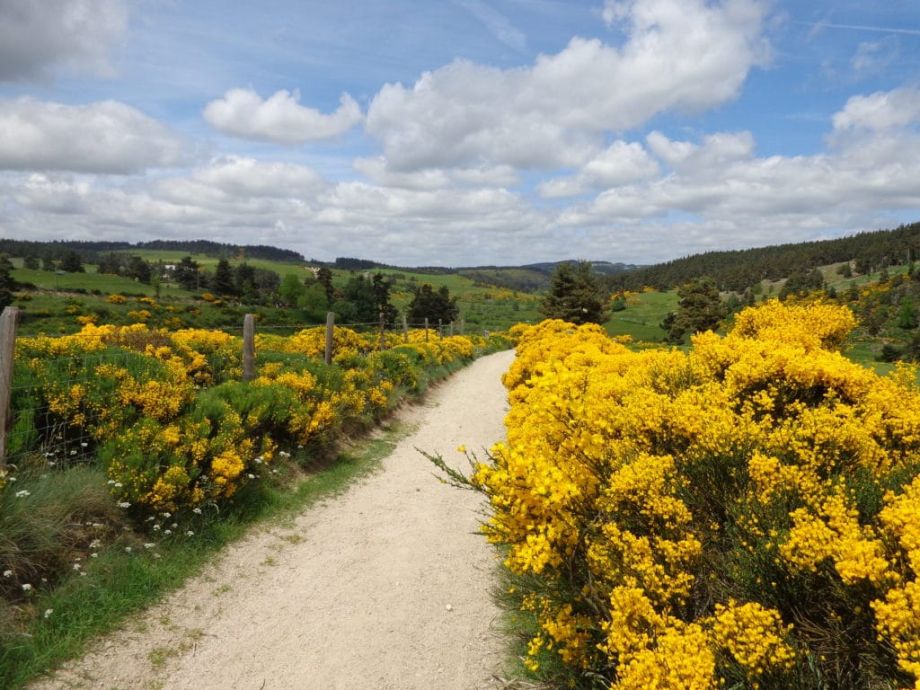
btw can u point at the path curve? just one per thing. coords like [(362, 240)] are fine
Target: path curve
[(383, 587)]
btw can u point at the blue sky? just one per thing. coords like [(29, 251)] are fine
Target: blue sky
[(460, 132)]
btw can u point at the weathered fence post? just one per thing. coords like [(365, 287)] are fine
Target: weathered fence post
[(249, 347), (405, 329), (462, 326), (383, 325), (9, 320), (426, 329), (451, 329), (330, 327), (440, 329)]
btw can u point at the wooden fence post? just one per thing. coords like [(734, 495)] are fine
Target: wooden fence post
[(440, 329), (9, 320), (405, 329), (249, 347), (330, 327), (383, 325), (426, 329), (462, 325), (451, 329)]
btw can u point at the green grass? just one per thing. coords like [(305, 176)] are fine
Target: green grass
[(108, 284), (282, 268), (643, 316), (119, 583)]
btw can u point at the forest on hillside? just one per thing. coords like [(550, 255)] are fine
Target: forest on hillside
[(740, 269)]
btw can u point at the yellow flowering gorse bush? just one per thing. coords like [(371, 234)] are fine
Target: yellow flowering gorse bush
[(741, 515), (173, 424)]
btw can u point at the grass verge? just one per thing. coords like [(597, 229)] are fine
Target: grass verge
[(126, 576)]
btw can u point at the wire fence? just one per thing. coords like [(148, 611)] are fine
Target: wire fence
[(44, 393)]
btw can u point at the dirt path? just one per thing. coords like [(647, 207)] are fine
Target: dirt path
[(385, 586)]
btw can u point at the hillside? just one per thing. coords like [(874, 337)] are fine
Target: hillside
[(740, 269)]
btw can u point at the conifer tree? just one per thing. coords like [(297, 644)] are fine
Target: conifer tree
[(7, 284), (223, 279), (575, 295)]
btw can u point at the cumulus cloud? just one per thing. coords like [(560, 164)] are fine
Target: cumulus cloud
[(377, 171), (103, 137), (619, 164), (37, 36), (249, 177), (719, 180), (686, 55), (280, 118), (880, 110)]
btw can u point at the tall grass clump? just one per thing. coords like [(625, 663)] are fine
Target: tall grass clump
[(743, 515)]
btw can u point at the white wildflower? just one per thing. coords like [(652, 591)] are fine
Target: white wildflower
[(48, 613), (124, 504), (7, 573), (27, 587), (22, 494)]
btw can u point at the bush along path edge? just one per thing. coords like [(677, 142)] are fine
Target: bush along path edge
[(87, 562)]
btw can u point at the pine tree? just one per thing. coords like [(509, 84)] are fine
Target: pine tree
[(575, 295), (223, 279), (7, 284), (186, 273), (324, 276), (435, 305), (72, 263), (138, 269), (700, 309)]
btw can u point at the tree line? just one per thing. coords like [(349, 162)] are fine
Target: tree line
[(740, 269), (90, 251)]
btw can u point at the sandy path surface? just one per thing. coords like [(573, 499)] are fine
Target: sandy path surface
[(384, 586)]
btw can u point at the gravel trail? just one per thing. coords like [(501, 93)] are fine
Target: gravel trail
[(385, 586)]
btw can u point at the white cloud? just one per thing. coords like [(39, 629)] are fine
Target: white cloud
[(871, 57), (721, 182), (103, 137), (880, 110), (39, 35), (686, 55), (279, 118), (249, 177), (377, 171), (715, 150), (619, 164)]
